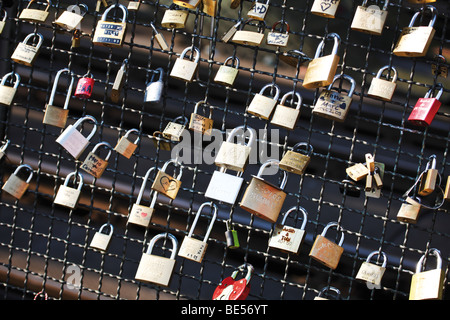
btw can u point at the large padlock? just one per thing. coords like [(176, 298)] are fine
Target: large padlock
[(258, 10), (370, 19), (322, 69), (427, 181), (3, 21), (381, 88), (101, 239), (287, 238), (262, 198), (326, 251), (284, 116), (7, 93), (154, 89), (72, 17), (224, 187), (428, 285), (35, 15), (426, 108), (415, 41), (157, 269), (409, 210), (195, 249), (226, 75), (278, 39), (57, 116), (141, 215), (108, 33), (15, 185), (94, 164), (231, 236), (5, 146), (124, 146), (159, 38), (250, 38), (190, 4), (184, 69), (324, 294), (232, 289), (174, 130), (73, 140), (26, 53), (199, 123), (295, 160), (372, 273), (262, 106), (165, 183), (119, 82), (84, 87), (69, 196), (334, 105), (174, 18), (325, 8)]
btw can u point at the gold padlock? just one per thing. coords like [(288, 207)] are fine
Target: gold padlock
[(25, 53), (3, 148), (68, 196), (108, 33), (287, 117), (250, 38), (166, 184), (141, 215), (294, 58), (370, 272), (174, 18), (125, 147), (258, 10), (210, 7), (422, 1), (101, 239), (174, 130), (381, 88), (190, 4), (7, 93), (15, 185), (159, 38), (134, 5), (72, 17), (94, 164), (3, 21), (428, 285), (325, 8), (262, 106), (185, 69), (199, 123), (409, 210), (226, 75), (326, 251), (159, 141), (228, 35), (278, 39), (35, 15), (295, 161), (357, 171), (447, 189), (427, 182), (370, 19)]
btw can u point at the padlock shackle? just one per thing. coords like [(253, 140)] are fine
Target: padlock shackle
[(337, 41), (69, 89), (114, 5), (272, 86), (302, 210), (260, 30), (385, 6), (86, 118), (281, 22), (201, 103), (197, 215), (309, 148), (272, 162), (248, 276), (433, 251), (161, 73), (31, 35), (224, 170), (72, 174), (191, 48), (111, 228), (185, 120), (8, 75), (294, 94), (329, 288), (5, 145), (421, 11), (345, 77), (334, 224), (380, 72), (430, 92), (174, 162), (374, 253), (143, 185), (25, 166), (231, 58), (161, 236), (133, 131), (72, 7), (5, 14), (237, 131), (103, 144), (46, 8)]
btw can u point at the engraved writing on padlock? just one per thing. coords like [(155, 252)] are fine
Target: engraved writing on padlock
[(251, 38), (108, 33), (262, 106), (71, 18), (173, 130), (154, 89), (7, 93), (15, 185), (428, 285), (140, 214), (277, 38), (166, 184), (68, 196), (426, 108), (381, 88), (184, 69), (325, 8), (325, 251), (199, 123), (224, 187), (94, 164), (409, 211), (125, 147), (85, 86), (258, 10), (101, 239), (25, 53), (35, 15), (370, 19), (284, 116), (371, 272), (226, 75), (232, 289), (294, 161), (174, 18), (3, 21), (73, 141)]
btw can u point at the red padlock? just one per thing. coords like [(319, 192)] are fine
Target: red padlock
[(425, 109), (85, 86), (232, 289)]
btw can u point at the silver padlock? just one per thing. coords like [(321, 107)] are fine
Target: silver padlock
[(26, 53), (174, 130), (372, 273), (224, 187), (68, 196), (7, 93), (262, 106), (15, 186), (101, 239), (94, 164), (140, 214), (73, 141), (5, 146), (3, 22), (125, 147), (154, 89), (184, 69)]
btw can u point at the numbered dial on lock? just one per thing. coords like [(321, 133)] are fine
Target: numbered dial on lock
[(108, 33)]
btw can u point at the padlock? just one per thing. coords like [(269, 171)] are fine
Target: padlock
[(294, 58), (422, 1), (323, 293), (68, 196), (278, 39), (326, 251), (16, 186), (428, 285), (250, 38), (56, 116), (141, 215), (224, 187), (370, 162), (235, 3), (195, 249), (381, 88), (85, 86), (210, 7), (227, 36), (159, 38), (72, 140), (427, 182), (334, 105), (409, 210), (3, 22), (99, 5), (284, 116), (295, 160), (370, 19), (119, 82), (7, 93), (262, 106), (174, 130), (72, 17), (134, 5), (447, 190), (322, 69), (350, 188), (438, 68), (372, 273), (226, 75), (94, 164), (157, 269), (76, 38), (166, 184), (35, 15), (154, 89), (287, 238), (174, 18), (5, 146), (160, 142), (199, 123), (258, 10), (426, 108), (325, 8), (125, 147), (190, 4), (415, 41), (231, 236), (262, 198), (235, 156), (232, 289), (357, 171), (101, 240), (185, 69), (26, 53), (108, 33)]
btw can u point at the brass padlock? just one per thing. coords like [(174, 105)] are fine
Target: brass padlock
[(26, 53), (370, 19), (262, 198), (258, 10), (210, 7), (141, 215), (224, 187), (278, 39), (372, 273), (428, 285), (284, 116), (174, 130), (287, 238), (125, 147), (3, 21), (262, 106), (428, 178), (174, 18), (334, 105), (185, 69), (195, 249), (159, 141), (101, 240), (294, 58), (108, 33), (119, 81), (409, 210), (15, 185), (7, 93), (56, 116), (35, 15), (438, 68), (159, 38), (227, 36), (447, 190), (294, 160), (166, 184), (157, 269), (68, 196), (250, 38), (94, 164), (72, 17), (73, 141), (3, 148), (322, 69), (325, 251), (325, 8), (226, 75), (324, 295), (134, 5), (190, 4), (235, 3), (199, 123), (415, 41), (381, 88), (357, 171)]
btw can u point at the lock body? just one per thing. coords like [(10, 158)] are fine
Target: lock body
[(133, 5), (140, 215), (285, 117), (25, 54), (109, 34), (230, 289), (200, 124), (250, 38), (409, 211), (67, 197), (34, 15), (414, 41), (427, 182), (193, 249), (326, 252), (371, 273), (224, 187), (174, 19), (73, 141), (232, 239), (332, 105), (7, 94), (226, 75), (258, 11), (94, 165), (173, 131), (184, 70), (166, 185), (369, 20), (84, 88), (382, 89), (155, 269), (447, 190), (424, 111), (357, 172), (125, 147), (262, 106), (153, 91), (427, 285), (287, 239), (277, 39), (158, 142), (321, 71), (325, 8), (55, 116), (69, 20), (233, 156), (100, 241), (15, 186), (190, 4), (294, 162)]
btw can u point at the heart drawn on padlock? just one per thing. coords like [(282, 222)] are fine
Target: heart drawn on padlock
[(168, 184), (325, 6)]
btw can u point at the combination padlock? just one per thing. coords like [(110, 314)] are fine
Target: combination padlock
[(278, 39), (284, 116), (73, 140), (108, 33), (232, 289), (199, 123), (85, 86), (94, 164), (166, 184), (154, 89), (102, 237), (140, 214), (226, 75), (370, 19), (124, 146), (69, 196), (258, 10), (174, 130), (262, 106), (7, 93), (295, 160), (426, 108), (35, 15), (231, 236), (26, 53), (15, 185), (250, 38), (325, 8), (428, 285), (326, 251), (184, 69), (372, 273), (381, 88), (72, 17)]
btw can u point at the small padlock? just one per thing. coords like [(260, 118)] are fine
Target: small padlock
[(108, 33), (427, 182), (372, 273), (258, 10), (166, 184), (409, 210), (56, 116), (226, 75), (124, 146), (262, 106), (325, 251), (350, 188), (35, 15), (334, 105), (16, 186), (119, 81), (174, 130), (157, 269), (428, 285), (134, 5), (262, 198), (227, 36), (235, 3), (76, 38), (438, 68), (26, 53), (195, 249), (199, 123), (294, 58), (7, 93), (68, 196), (73, 141), (284, 116), (370, 19), (381, 88), (185, 69), (415, 41), (296, 161), (5, 146), (287, 238), (72, 17), (141, 215), (190, 4), (232, 289), (325, 8), (250, 38), (85, 86), (278, 39), (3, 22), (323, 293), (174, 18), (447, 190), (422, 1), (94, 164), (357, 171), (160, 142), (224, 187), (101, 240), (210, 7), (159, 38), (154, 89), (322, 69), (231, 236), (426, 108)]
